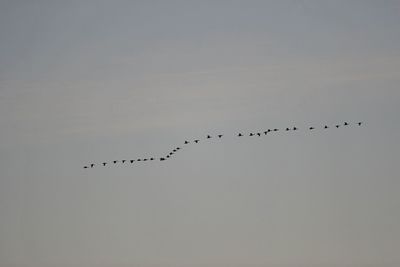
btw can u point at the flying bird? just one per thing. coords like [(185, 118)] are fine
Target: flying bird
[(151, 158), (123, 161), (287, 129), (162, 159), (239, 134), (359, 124), (259, 134), (326, 127), (178, 148), (138, 160), (265, 132), (345, 123), (275, 130), (186, 142), (311, 128), (196, 141), (174, 150), (144, 159), (91, 165), (132, 160), (104, 163), (115, 161), (85, 167), (294, 128), (251, 134), (220, 135), (337, 125), (208, 136)]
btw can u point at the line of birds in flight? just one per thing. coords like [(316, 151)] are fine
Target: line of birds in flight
[(219, 136)]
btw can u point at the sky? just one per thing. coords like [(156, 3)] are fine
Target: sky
[(92, 81)]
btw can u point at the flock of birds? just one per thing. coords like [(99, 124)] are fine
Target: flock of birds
[(219, 136)]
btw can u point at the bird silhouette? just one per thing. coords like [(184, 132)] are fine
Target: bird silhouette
[(275, 130), (104, 163), (265, 132), (287, 129), (294, 128), (91, 165), (144, 159), (115, 161), (345, 124), (239, 134), (259, 134), (178, 148), (359, 124), (251, 134), (167, 156), (196, 141), (162, 159), (208, 136), (220, 135), (138, 160), (132, 160), (123, 161), (311, 128), (151, 158), (326, 127), (186, 142), (174, 150), (337, 125), (171, 153), (85, 167)]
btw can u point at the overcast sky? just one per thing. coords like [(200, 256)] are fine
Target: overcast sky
[(92, 81)]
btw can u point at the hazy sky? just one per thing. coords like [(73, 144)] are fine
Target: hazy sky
[(92, 81)]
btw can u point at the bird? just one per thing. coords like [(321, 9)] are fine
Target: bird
[(196, 141), (251, 134), (115, 161), (174, 150), (104, 163), (85, 167), (311, 128), (239, 134), (220, 135), (151, 158), (91, 165), (208, 136), (123, 161), (178, 148), (275, 130), (337, 125), (345, 124), (132, 160), (287, 129), (359, 124), (186, 142), (138, 160), (144, 159), (162, 159), (294, 128), (171, 153), (167, 156), (259, 134), (265, 132), (326, 127)]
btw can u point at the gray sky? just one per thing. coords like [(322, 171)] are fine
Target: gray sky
[(84, 81)]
